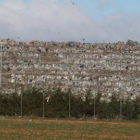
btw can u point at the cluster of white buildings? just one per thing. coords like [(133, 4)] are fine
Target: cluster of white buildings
[(106, 68)]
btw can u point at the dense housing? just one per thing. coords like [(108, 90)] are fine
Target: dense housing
[(106, 68)]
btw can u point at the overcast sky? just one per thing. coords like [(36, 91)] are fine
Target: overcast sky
[(61, 20)]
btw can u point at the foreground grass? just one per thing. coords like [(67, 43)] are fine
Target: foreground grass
[(23, 129)]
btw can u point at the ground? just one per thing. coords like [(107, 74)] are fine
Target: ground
[(44, 129)]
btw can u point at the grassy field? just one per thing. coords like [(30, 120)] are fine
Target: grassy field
[(24, 129)]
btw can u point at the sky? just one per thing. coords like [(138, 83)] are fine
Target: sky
[(96, 21)]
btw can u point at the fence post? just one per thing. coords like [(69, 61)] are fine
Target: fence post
[(94, 107), (69, 105), (120, 105), (43, 107), (21, 104)]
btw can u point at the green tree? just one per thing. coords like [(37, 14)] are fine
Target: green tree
[(32, 102)]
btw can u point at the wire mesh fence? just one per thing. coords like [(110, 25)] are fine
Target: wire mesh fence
[(59, 104)]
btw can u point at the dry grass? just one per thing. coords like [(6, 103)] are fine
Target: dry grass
[(24, 129)]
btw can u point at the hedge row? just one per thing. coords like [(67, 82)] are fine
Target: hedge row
[(65, 104)]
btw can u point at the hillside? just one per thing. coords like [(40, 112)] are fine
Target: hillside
[(107, 68)]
